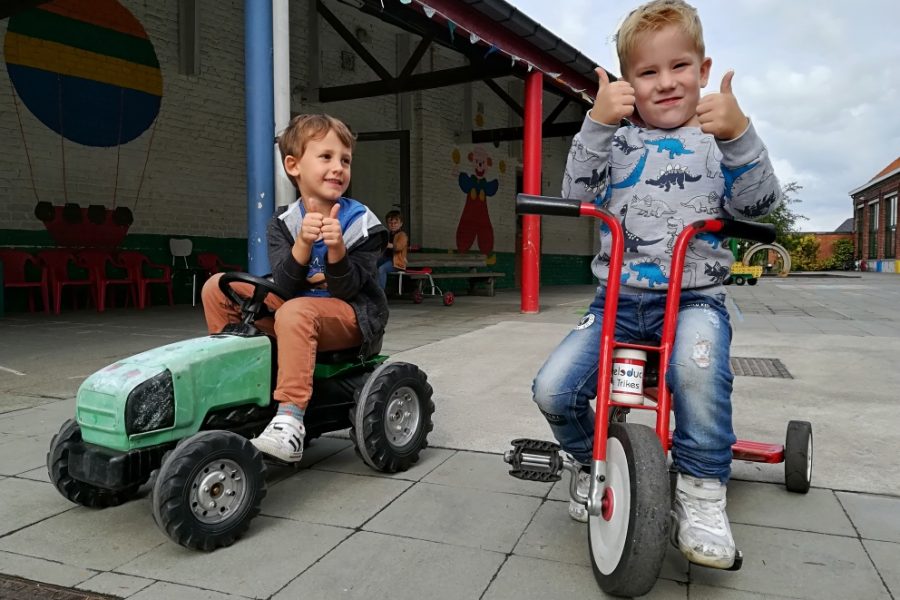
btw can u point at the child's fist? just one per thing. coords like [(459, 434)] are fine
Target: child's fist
[(720, 114), (311, 228), (614, 101), (331, 228)]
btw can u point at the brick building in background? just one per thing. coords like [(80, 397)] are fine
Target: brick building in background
[(827, 239), (875, 220)]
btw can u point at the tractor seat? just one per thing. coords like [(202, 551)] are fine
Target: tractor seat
[(345, 355), (331, 357)]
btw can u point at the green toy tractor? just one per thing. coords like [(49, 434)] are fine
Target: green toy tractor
[(187, 410)]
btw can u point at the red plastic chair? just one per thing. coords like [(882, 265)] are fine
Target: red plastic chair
[(102, 267), (58, 262), (213, 264), (16, 275), (137, 264)]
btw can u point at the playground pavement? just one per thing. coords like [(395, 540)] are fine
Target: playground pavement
[(456, 526)]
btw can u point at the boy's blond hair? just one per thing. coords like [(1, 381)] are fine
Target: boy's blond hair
[(303, 128), (654, 16)]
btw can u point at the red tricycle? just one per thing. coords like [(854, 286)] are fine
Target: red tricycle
[(629, 502)]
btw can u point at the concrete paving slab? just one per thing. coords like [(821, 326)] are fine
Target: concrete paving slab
[(331, 498), (93, 539), (39, 569), (799, 565), (115, 584), (875, 517), (483, 404), (23, 454), (704, 592), (526, 578), (40, 420), (483, 472), (347, 461), (553, 535), (38, 474), (248, 567), (886, 557), (26, 502), (463, 517), (817, 511), (365, 567), (171, 591)]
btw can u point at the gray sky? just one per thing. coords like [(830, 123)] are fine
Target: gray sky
[(819, 78)]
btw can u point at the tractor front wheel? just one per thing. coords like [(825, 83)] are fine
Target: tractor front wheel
[(77, 491), (209, 489)]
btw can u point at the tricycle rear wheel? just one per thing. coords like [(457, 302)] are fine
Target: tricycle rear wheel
[(798, 454), (628, 541)]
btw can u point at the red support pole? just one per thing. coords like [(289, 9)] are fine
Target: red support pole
[(531, 184)]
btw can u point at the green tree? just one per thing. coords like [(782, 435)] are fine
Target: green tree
[(785, 218), (842, 255)]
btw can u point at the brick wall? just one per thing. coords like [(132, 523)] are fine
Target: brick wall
[(192, 177)]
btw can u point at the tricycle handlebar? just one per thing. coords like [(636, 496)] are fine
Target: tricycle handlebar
[(527, 204)]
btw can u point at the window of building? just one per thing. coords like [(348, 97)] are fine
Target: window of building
[(890, 226), (873, 229), (858, 225)]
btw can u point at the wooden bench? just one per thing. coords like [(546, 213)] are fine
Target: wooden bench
[(420, 268)]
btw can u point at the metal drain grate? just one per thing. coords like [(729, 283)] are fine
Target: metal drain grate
[(759, 367), (16, 588)]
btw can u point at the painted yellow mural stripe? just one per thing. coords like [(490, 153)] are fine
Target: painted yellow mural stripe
[(66, 60)]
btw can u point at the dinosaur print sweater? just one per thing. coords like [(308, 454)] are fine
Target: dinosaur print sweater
[(657, 181)]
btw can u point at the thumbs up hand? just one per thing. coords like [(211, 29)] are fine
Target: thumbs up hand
[(614, 101), (332, 234), (720, 114)]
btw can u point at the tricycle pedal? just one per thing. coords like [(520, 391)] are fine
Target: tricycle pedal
[(534, 460)]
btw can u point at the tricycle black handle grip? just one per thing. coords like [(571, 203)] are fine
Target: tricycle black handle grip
[(748, 230), (526, 204)]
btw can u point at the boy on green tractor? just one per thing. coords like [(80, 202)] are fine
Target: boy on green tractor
[(187, 409)]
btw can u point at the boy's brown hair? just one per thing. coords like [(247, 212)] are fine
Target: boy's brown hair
[(654, 16), (303, 128), (393, 213)]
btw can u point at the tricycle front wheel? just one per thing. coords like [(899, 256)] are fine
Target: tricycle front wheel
[(628, 540)]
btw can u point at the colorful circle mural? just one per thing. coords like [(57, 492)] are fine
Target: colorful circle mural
[(87, 70)]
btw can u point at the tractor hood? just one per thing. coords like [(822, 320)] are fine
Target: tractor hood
[(170, 389)]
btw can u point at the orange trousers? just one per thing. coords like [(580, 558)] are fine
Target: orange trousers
[(301, 326)]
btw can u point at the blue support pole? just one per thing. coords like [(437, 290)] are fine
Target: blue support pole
[(260, 98)]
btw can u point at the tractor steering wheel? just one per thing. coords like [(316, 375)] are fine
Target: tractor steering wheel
[(251, 308)]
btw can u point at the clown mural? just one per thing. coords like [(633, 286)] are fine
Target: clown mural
[(475, 221)]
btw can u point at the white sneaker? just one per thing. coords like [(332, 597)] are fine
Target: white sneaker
[(282, 438), (702, 533), (578, 511)]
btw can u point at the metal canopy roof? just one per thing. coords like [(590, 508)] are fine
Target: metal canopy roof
[(497, 38)]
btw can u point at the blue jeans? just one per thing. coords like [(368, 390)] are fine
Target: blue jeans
[(385, 266), (699, 377)]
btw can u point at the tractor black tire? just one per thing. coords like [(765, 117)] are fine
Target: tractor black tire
[(209, 489), (798, 454), (392, 417), (74, 490), (752, 281), (739, 280)]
